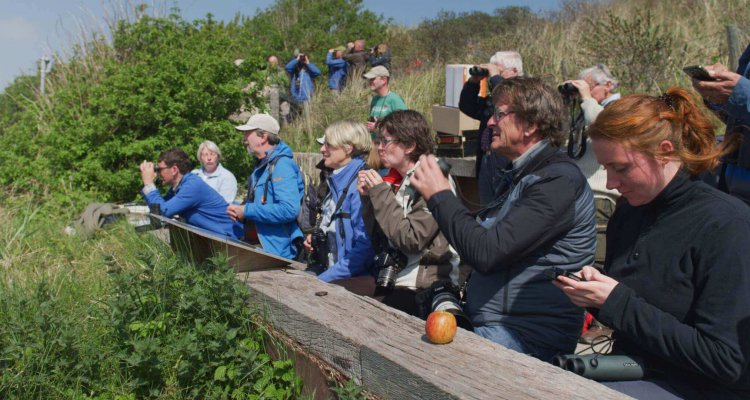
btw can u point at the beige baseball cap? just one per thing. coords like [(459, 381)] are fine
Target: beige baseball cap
[(377, 71), (263, 122)]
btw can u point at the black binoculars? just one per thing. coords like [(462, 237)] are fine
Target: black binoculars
[(602, 367)]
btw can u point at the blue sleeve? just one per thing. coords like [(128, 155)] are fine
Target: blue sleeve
[(285, 194), (333, 62), (291, 65), (314, 71), (356, 261), (185, 199), (738, 105)]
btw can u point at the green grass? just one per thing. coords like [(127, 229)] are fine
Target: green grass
[(120, 316)]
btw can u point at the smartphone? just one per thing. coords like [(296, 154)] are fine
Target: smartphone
[(553, 272), (698, 72)]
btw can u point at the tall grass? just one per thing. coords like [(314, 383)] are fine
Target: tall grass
[(419, 89)]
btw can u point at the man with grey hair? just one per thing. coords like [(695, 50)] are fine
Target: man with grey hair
[(213, 173), (596, 86), (274, 189), (502, 65)]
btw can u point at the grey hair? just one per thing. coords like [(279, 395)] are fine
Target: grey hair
[(600, 74), (508, 60), (210, 146)]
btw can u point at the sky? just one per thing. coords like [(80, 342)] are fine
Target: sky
[(30, 29)]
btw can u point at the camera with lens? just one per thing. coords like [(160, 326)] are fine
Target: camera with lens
[(388, 262), (479, 71), (567, 89), (443, 295), (319, 255)]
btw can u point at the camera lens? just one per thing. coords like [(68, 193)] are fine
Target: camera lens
[(387, 278)]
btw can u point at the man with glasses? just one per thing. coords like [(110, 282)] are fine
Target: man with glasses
[(188, 196), (543, 218), (274, 190)]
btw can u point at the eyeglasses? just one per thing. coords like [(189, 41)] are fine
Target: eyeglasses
[(502, 114), (385, 141)]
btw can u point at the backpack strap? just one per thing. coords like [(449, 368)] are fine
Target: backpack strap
[(337, 211), (271, 166)]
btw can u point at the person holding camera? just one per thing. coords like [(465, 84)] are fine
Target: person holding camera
[(340, 245), (502, 65), (412, 254), (543, 217), (336, 69), (302, 72), (380, 55), (727, 94), (356, 58), (188, 196), (677, 272)]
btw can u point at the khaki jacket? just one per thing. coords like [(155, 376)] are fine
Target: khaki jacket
[(405, 220)]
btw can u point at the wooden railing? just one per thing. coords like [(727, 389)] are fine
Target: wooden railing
[(379, 347)]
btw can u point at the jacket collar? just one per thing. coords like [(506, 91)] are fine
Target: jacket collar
[(341, 179)]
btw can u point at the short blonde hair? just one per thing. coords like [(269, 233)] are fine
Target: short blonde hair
[(349, 133), (210, 146)]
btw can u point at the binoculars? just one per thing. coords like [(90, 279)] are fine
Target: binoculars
[(601, 367)]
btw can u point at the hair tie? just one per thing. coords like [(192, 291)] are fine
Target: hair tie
[(669, 100)]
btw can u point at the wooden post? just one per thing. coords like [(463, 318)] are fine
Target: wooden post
[(564, 70), (734, 48), (273, 99)]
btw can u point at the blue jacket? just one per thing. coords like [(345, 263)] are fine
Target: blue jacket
[(336, 72), (736, 179), (302, 80), (276, 220), (199, 204), (354, 252)]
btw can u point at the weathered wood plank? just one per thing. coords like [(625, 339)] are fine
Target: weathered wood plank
[(198, 244), (385, 349)]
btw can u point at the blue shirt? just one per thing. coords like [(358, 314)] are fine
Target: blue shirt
[(197, 203)]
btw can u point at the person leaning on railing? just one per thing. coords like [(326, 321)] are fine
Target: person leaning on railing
[(543, 217), (339, 243), (678, 265), (405, 236)]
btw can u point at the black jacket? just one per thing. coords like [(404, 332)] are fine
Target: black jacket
[(683, 298), (547, 220)]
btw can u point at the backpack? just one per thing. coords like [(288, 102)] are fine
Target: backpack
[(307, 215)]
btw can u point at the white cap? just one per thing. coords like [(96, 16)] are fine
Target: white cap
[(263, 122)]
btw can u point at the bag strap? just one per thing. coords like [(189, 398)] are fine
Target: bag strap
[(337, 211), (271, 166)]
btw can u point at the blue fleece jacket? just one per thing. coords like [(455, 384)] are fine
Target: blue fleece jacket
[(199, 204), (276, 220), (336, 72), (302, 80), (354, 252)]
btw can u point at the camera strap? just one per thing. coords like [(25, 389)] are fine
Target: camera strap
[(577, 134)]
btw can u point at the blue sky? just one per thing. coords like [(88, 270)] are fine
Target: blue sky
[(32, 28)]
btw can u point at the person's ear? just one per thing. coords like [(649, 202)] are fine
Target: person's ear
[(530, 130), (666, 149), (349, 150), (410, 149)]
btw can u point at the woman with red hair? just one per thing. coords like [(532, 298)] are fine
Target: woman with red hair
[(677, 284)]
